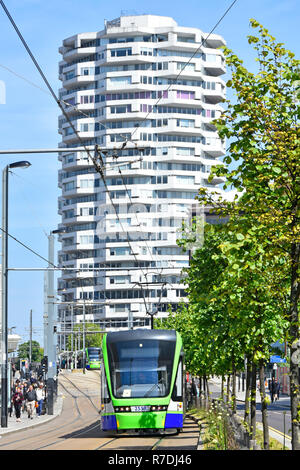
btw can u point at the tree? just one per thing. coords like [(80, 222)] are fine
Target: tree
[(36, 352), (263, 125), (231, 310), (93, 338)]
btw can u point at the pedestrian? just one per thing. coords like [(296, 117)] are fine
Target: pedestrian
[(276, 390), (40, 395), (23, 387), (189, 394), (17, 400), (32, 379), (272, 389), (194, 388), (31, 399), (16, 385)]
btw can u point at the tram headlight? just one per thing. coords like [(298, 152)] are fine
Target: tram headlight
[(120, 409), (159, 407)]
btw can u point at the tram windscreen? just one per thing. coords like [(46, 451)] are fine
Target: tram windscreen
[(94, 354), (141, 369)]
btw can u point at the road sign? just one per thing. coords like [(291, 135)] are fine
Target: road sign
[(276, 359)]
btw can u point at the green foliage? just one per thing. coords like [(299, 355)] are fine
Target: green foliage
[(243, 284), (36, 351), (91, 339), (234, 305)]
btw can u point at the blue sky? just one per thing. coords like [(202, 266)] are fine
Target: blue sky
[(29, 116)]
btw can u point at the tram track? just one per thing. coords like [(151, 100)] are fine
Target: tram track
[(80, 432), (84, 393), (186, 440), (78, 427)]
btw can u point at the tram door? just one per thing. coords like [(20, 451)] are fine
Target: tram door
[(178, 393), (104, 391), (183, 384), (106, 403)]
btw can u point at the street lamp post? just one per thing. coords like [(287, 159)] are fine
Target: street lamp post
[(50, 312), (4, 285)]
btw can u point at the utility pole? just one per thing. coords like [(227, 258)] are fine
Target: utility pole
[(30, 338), (4, 345), (72, 339), (4, 291), (51, 346), (45, 316), (83, 340)]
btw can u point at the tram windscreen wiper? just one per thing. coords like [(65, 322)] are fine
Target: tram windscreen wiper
[(153, 387)]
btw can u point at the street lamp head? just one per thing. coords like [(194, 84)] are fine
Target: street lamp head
[(59, 230), (21, 164)]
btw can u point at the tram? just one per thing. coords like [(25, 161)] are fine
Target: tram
[(93, 358), (142, 381)]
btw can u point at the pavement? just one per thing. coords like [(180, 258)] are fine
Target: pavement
[(25, 423)]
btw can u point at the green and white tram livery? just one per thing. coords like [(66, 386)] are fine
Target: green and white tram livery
[(93, 358), (142, 381)]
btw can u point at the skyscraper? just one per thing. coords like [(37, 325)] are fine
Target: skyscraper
[(145, 90)]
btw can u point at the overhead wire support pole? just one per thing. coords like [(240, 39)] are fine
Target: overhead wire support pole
[(4, 324), (50, 327)]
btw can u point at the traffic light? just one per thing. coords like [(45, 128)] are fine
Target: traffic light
[(44, 364)]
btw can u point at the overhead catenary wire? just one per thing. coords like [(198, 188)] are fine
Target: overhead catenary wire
[(137, 219), (97, 156), (80, 111), (28, 248), (97, 153), (192, 56)]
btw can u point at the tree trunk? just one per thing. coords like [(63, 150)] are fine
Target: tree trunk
[(207, 389), (204, 386), (228, 388), (247, 392), (264, 405), (204, 391), (253, 402), (222, 388), (294, 346), (200, 390), (233, 398)]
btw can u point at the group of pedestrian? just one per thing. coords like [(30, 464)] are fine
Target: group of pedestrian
[(27, 396)]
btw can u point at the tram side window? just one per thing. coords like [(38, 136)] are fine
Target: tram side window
[(177, 394), (105, 398)]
